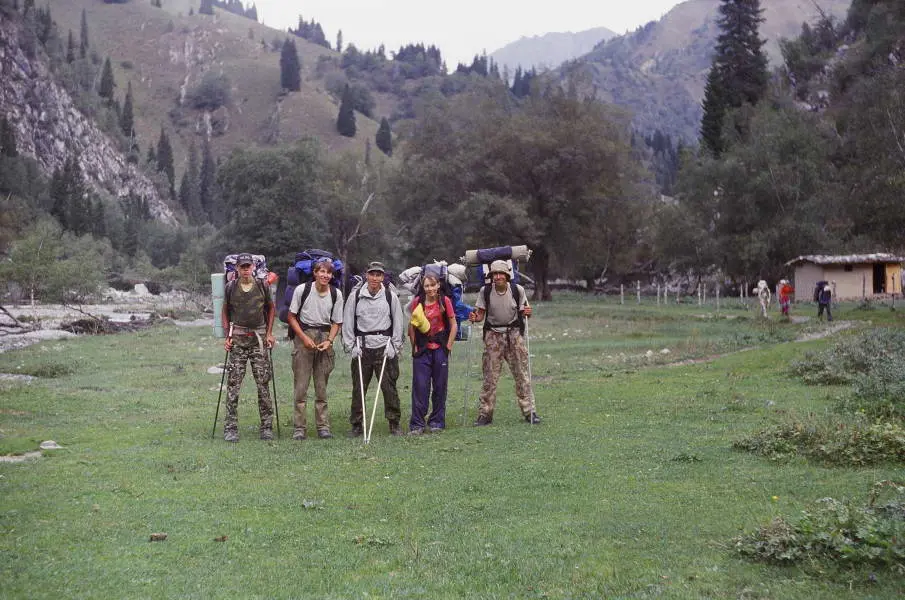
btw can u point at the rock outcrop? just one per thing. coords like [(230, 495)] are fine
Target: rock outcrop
[(49, 127)]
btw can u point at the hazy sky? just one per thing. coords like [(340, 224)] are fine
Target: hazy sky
[(462, 28)]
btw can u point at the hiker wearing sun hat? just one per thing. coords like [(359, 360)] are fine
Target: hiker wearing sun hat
[(505, 304)]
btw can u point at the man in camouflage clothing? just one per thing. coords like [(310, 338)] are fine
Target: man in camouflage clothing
[(247, 318), (505, 305)]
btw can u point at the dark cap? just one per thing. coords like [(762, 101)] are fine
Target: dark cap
[(244, 259), (376, 266)]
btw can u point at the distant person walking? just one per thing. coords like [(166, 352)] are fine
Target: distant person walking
[(432, 332), (247, 317), (372, 327), (785, 292), (505, 305), (763, 296), (823, 296), (315, 317)]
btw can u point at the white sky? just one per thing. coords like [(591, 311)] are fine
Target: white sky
[(460, 28)]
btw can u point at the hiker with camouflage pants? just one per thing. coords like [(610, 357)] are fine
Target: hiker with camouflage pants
[(505, 304), (247, 317)]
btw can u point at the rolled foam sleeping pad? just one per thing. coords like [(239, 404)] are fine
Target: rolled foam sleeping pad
[(488, 255)]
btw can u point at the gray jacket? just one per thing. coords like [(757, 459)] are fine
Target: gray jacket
[(373, 315)]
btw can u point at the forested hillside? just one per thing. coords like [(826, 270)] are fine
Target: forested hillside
[(805, 161), (658, 72), (808, 162)]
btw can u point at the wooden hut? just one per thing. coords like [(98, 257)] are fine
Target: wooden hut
[(854, 275)]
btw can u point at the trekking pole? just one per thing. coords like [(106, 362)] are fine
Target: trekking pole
[(364, 408), (222, 377), (530, 379), (273, 380), (377, 394), (467, 379), (220, 395)]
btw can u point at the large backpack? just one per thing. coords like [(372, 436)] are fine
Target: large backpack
[(301, 271), (230, 268)]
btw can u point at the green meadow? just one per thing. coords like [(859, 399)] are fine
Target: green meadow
[(630, 488)]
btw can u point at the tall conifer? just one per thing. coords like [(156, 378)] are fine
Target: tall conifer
[(165, 160), (107, 84), (83, 36), (127, 120), (345, 122), (290, 68), (384, 138)]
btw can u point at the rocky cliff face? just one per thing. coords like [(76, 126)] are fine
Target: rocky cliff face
[(50, 128)]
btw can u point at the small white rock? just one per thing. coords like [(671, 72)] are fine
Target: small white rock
[(49, 445)]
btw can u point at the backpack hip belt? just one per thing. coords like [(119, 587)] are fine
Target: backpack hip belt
[(323, 328)]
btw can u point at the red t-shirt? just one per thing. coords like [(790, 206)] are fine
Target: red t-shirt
[(436, 318)]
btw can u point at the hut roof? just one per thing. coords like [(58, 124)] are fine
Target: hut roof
[(846, 259)]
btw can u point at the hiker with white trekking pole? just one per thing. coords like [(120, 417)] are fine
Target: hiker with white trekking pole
[(372, 333), (504, 303)]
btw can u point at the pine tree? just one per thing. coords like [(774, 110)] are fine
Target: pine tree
[(339, 41), (165, 160), (714, 106), (7, 139), (290, 68), (70, 48), (384, 138), (345, 122), (252, 13), (83, 37), (127, 120), (152, 156), (207, 182), (738, 74), (105, 90), (188, 189), (206, 8)]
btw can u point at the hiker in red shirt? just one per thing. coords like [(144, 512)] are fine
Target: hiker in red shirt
[(432, 333), (785, 296)]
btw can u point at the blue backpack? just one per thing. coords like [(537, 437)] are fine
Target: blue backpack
[(301, 272)]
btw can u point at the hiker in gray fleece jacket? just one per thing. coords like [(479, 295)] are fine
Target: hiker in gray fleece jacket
[(373, 324)]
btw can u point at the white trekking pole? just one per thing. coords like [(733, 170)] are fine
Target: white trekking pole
[(364, 408), (377, 393)]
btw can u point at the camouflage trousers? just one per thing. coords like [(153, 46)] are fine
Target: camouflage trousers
[(509, 347), (247, 348), (307, 365)]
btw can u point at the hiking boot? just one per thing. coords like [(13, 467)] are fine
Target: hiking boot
[(299, 435), (324, 434), (394, 428), (532, 418), (231, 436), (483, 420), (355, 432), (436, 429), (266, 434), (416, 431)]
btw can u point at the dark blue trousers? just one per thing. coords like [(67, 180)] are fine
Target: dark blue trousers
[(430, 375)]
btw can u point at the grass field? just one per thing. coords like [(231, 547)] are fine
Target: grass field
[(629, 488)]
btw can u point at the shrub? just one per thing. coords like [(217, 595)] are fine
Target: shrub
[(851, 357), (211, 93), (835, 531), (833, 442)]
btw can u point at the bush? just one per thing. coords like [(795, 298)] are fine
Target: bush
[(851, 358), (833, 442), (211, 93), (835, 531)]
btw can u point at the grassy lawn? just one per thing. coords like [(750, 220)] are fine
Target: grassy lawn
[(629, 488)]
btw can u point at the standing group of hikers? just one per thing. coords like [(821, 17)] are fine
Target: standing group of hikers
[(370, 325)]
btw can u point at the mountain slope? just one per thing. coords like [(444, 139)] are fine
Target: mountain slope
[(658, 72), (550, 50), (165, 52)]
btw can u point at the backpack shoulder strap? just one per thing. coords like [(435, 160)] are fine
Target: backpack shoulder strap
[(305, 292)]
